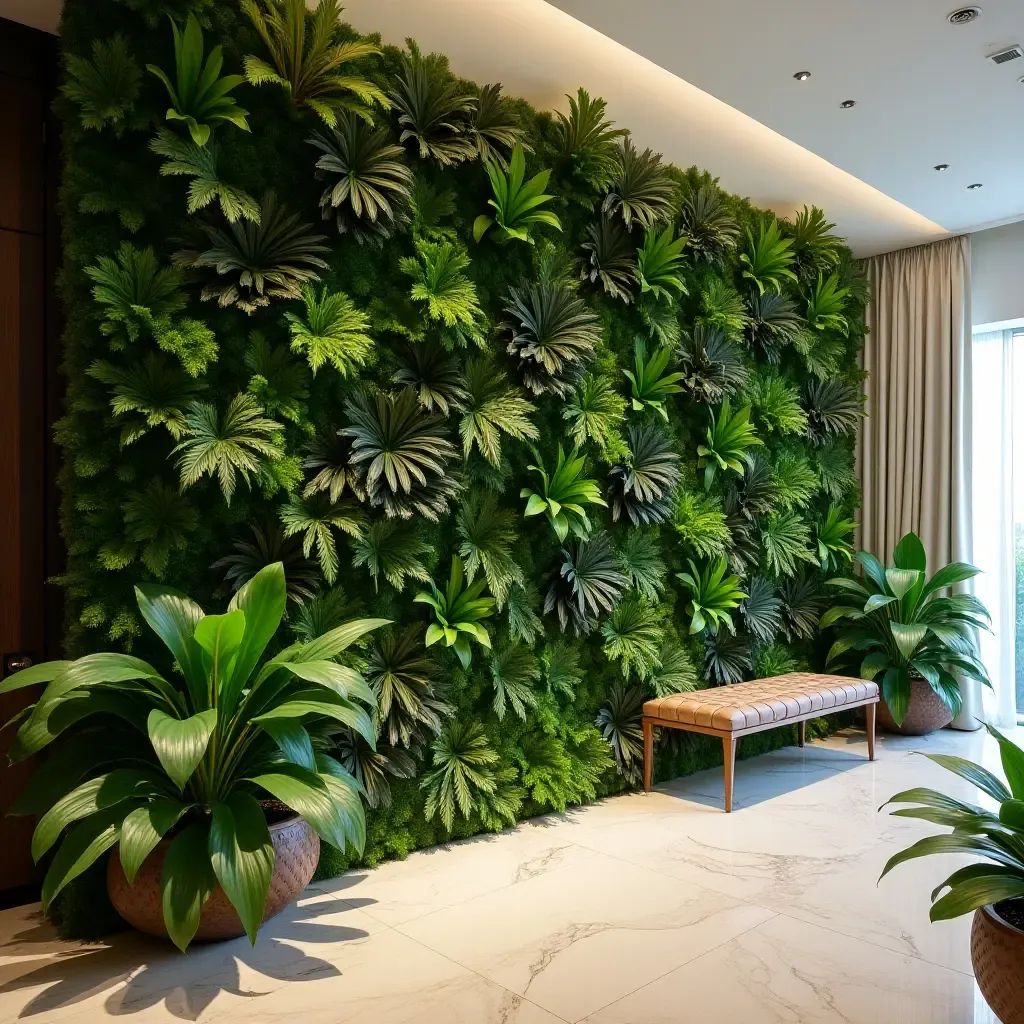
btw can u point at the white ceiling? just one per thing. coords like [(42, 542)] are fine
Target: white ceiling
[(925, 93)]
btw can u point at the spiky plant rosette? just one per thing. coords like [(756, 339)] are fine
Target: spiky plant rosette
[(642, 487), (401, 454)]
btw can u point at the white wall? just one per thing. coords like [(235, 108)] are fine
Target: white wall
[(997, 274)]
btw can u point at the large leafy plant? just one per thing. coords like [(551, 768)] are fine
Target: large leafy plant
[(563, 494), (459, 610), (369, 186), (588, 143), (642, 487), (996, 836), (308, 63), (517, 203), (768, 256), (192, 754), (650, 384), (729, 438), (713, 596), (200, 96), (901, 624), (659, 264)]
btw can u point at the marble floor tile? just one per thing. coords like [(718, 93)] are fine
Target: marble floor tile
[(793, 972), (433, 879), (585, 933)]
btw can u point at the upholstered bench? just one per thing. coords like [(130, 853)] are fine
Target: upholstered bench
[(744, 708)]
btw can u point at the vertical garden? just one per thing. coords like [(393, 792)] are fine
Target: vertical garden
[(580, 423)]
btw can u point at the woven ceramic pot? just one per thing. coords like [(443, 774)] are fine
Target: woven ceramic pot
[(997, 953), (925, 714), (296, 852)]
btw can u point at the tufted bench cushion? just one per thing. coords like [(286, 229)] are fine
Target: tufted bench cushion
[(731, 711)]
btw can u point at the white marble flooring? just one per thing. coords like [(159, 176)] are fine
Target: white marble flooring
[(636, 910)]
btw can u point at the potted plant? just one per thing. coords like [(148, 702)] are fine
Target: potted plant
[(203, 780), (994, 887), (904, 628)]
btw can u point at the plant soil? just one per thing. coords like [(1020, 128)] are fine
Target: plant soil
[(1012, 912)]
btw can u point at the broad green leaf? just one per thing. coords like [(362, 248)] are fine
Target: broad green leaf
[(1011, 814), (292, 740), (876, 601), (95, 795), (907, 636), (242, 856), (979, 891), (93, 670), (187, 882), (262, 601), (143, 828), (952, 843), (181, 744), (931, 798), (896, 693), (342, 680), (949, 576), (969, 872), (1012, 758), (174, 617), (33, 675), (333, 642), (348, 714), (220, 636), (902, 581), (909, 554), (61, 771), (347, 795), (974, 774), (874, 663), (307, 794), (81, 847)]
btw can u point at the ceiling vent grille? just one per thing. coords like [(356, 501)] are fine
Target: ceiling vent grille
[(963, 16), (1003, 56)]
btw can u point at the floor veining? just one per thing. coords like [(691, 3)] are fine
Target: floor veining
[(636, 910)]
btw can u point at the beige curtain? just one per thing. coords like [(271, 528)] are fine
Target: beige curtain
[(913, 456)]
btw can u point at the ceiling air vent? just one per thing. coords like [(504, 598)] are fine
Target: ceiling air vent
[(1003, 56), (963, 16)]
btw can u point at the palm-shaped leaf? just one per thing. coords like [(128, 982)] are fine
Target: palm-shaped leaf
[(436, 376), (307, 62), (316, 519), (588, 142), (640, 559), (776, 404), (610, 259), (650, 384), (400, 453), (833, 408), (802, 605), (710, 227), (619, 720), (267, 545), (774, 323), (230, 445), (368, 186), (727, 659), (586, 584), (642, 192), (699, 520), (107, 86), (514, 672), (562, 494), (768, 257), (439, 281), (487, 533), (815, 251), (594, 411), (267, 260), (463, 775), (729, 437), (330, 455), (633, 638), (392, 549), (713, 596), (712, 366), (553, 336), (494, 127), (433, 112), (332, 330), (826, 301), (723, 307), (787, 540), (642, 488), (492, 408), (659, 264), (761, 610)]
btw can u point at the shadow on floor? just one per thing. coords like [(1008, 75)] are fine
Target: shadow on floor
[(140, 972)]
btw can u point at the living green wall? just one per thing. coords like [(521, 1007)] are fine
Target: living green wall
[(552, 707)]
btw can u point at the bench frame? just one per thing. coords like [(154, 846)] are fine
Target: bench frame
[(729, 737)]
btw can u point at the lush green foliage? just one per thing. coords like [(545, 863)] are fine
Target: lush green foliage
[(372, 393), (997, 835), (191, 753), (902, 624), (517, 203)]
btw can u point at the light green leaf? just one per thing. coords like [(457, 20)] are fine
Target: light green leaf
[(181, 744), (143, 828), (174, 617), (262, 602), (292, 740), (307, 794)]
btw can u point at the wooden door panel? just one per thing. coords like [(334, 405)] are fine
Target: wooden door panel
[(22, 178)]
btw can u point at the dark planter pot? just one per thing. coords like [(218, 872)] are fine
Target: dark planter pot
[(925, 714), (997, 953), (296, 852)]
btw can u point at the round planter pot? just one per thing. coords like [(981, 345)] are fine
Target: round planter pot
[(997, 953), (296, 852), (925, 713)]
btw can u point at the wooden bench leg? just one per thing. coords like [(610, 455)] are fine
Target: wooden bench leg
[(648, 753), (729, 752), (869, 713), (802, 735)]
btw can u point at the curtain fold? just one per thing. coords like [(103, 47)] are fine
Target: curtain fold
[(913, 456), (914, 448)]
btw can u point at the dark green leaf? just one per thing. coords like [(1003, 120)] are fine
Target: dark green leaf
[(180, 745), (81, 847), (174, 617), (292, 740), (187, 882), (143, 828)]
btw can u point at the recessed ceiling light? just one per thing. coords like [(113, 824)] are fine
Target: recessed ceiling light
[(802, 76), (847, 104), (977, 184), (963, 15), (942, 167)]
